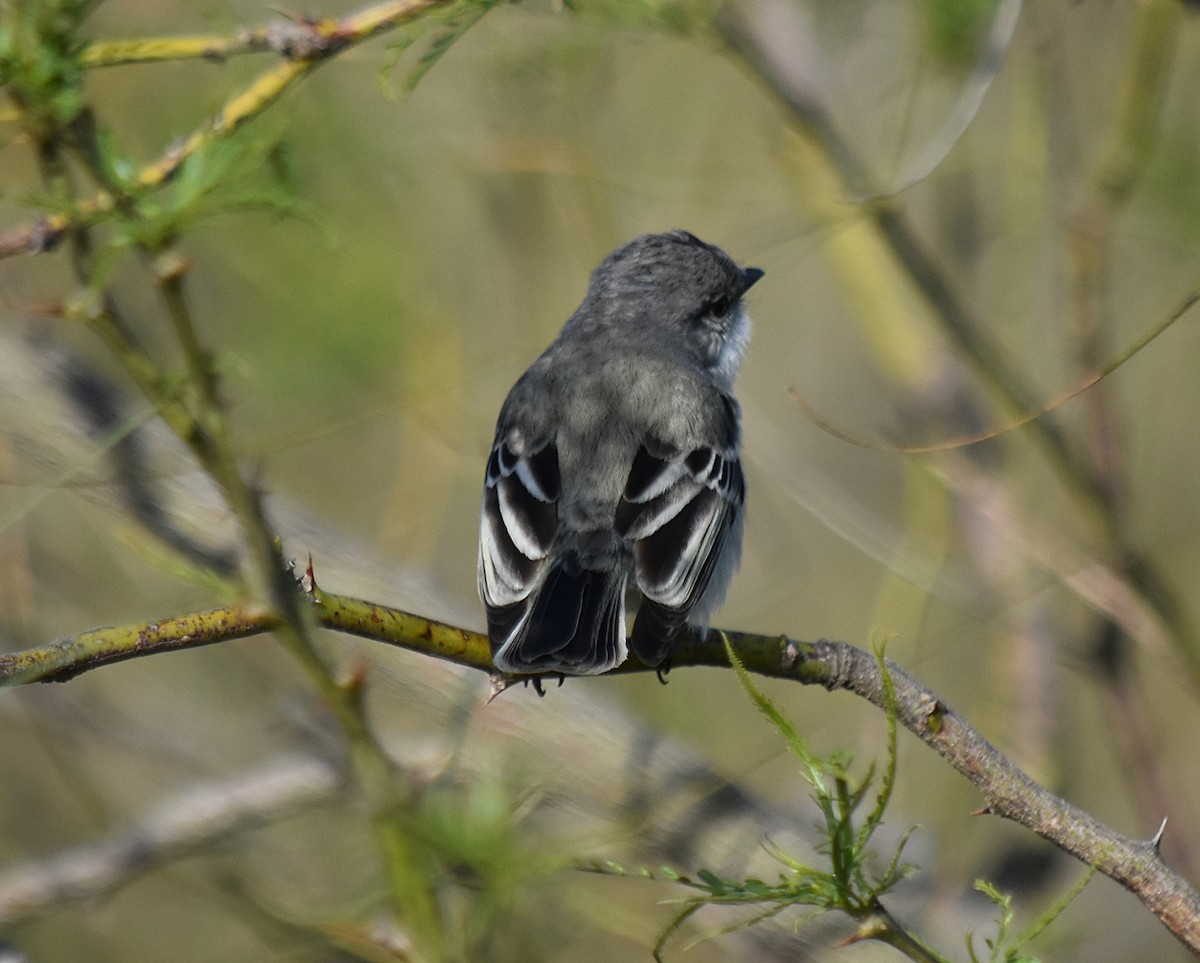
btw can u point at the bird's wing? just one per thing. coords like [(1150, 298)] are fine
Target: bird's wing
[(678, 510), (519, 521), (516, 531)]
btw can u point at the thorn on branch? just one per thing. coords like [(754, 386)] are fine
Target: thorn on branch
[(1157, 838), (497, 683)]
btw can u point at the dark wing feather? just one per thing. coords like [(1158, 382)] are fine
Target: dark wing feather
[(678, 509), (516, 531)]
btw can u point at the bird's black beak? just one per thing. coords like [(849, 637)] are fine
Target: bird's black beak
[(749, 277)]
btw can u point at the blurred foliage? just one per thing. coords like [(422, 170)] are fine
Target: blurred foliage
[(1007, 946), (955, 27), (40, 47), (242, 173), (999, 950), (440, 31)]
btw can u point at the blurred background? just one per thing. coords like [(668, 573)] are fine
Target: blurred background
[(962, 209)]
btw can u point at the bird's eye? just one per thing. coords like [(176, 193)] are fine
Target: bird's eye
[(719, 308)]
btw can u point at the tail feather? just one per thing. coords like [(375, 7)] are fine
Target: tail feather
[(655, 630), (573, 623)]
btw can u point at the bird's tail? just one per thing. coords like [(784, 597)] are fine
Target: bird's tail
[(574, 623), (655, 630)]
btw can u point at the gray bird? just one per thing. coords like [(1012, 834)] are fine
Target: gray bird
[(616, 456)]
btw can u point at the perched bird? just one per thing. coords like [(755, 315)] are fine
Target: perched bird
[(616, 458)]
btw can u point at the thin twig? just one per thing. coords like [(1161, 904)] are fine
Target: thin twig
[(185, 823)]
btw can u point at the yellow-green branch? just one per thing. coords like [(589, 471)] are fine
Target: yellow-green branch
[(114, 53), (63, 660)]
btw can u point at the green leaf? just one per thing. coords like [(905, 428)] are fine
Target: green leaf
[(446, 27), (713, 882)]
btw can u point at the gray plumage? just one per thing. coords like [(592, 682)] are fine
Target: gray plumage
[(616, 456)]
